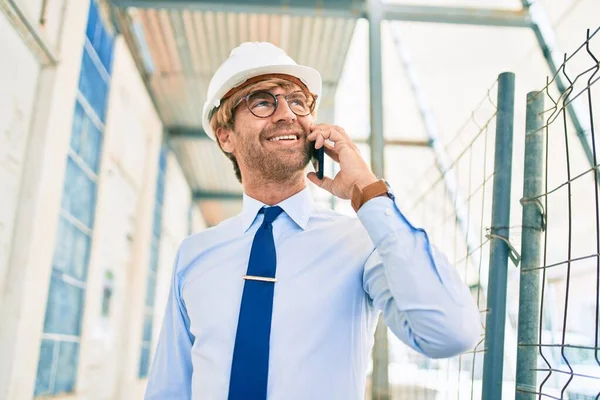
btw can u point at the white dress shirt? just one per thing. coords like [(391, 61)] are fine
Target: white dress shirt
[(335, 274)]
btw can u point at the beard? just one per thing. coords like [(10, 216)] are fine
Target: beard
[(275, 165)]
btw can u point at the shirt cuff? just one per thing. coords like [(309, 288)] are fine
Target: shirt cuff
[(382, 217)]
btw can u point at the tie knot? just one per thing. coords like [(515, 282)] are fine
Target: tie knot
[(271, 213)]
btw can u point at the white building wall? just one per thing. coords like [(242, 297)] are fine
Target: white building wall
[(36, 113), (18, 80), (27, 273), (122, 233)]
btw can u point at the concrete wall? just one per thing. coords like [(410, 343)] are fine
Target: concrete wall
[(36, 113), (18, 81), (28, 270)]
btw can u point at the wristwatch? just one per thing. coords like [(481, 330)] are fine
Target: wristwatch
[(375, 189)]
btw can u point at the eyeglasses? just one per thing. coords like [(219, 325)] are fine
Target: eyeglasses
[(264, 104)]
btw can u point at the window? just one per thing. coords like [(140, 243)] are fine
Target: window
[(153, 267), (59, 353)]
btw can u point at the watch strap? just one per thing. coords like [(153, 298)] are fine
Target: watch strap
[(360, 197)]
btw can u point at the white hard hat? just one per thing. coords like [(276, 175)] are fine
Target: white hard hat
[(249, 60)]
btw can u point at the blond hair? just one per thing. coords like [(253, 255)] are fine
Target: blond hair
[(222, 117)]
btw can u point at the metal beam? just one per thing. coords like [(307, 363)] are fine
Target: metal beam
[(457, 15), (29, 30), (300, 8), (176, 133), (399, 142), (545, 36), (199, 195), (380, 386), (397, 12)]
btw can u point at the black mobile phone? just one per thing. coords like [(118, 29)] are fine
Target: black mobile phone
[(318, 160)]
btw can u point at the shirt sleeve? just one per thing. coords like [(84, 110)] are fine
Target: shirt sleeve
[(423, 300), (171, 370)]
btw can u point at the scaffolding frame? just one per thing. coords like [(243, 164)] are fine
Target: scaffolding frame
[(531, 15)]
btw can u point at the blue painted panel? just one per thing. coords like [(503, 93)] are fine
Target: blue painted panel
[(144, 361), (80, 121), (154, 255), (157, 223), (91, 147), (64, 309), (162, 160), (71, 253), (104, 50), (154, 252), (42, 383), (147, 327), (150, 290), (61, 261), (72, 249), (80, 255), (66, 369), (100, 38), (92, 85), (79, 195), (92, 25)]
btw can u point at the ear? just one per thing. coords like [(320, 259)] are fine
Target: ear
[(225, 136)]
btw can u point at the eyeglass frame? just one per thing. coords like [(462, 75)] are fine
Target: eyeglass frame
[(245, 99)]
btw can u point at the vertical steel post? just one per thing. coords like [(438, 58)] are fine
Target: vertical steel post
[(379, 378), (499, 250), (376, 87), (529, 291)]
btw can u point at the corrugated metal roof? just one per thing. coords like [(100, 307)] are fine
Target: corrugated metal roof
[(186, 48), (206, 168), (180, 50)]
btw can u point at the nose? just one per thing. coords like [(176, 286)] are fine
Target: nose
[(283, 112)]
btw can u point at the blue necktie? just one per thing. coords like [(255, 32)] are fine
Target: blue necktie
[(250, 366)]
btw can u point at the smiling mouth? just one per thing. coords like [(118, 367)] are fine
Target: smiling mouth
[(284, 137)]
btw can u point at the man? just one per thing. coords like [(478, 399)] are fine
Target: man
[(281, 302)]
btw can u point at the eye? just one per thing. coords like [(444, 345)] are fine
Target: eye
[(261, 104), (260, 100), (298, 100)]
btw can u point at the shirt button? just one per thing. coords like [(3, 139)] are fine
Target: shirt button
[(388, 211)]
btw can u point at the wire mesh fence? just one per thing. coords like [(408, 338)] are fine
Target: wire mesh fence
[(555, 351), (559, 353), (452, 200)]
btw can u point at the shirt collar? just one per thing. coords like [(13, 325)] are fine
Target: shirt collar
[(298, 207)]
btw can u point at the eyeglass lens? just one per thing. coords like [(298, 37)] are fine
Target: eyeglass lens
[(264, 104)]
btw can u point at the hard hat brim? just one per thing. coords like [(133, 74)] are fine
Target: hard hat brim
[(309, 76)]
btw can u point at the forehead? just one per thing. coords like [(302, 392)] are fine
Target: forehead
[(274, 87)]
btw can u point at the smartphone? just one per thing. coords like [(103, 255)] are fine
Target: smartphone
[(318, 160)]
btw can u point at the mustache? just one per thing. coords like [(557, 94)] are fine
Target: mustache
[(287, 127)]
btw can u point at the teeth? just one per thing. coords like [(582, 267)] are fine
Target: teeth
[(288, 137)]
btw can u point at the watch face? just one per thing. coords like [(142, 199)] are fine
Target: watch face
[(389, 188)]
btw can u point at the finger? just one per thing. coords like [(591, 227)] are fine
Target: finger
[(330, 151), (325, 183), (320, 142), (331, 132)]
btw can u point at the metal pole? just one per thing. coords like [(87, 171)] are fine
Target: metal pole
[(376, 87), (545, 36), (533, 225), (379, 378), (499, 250)]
